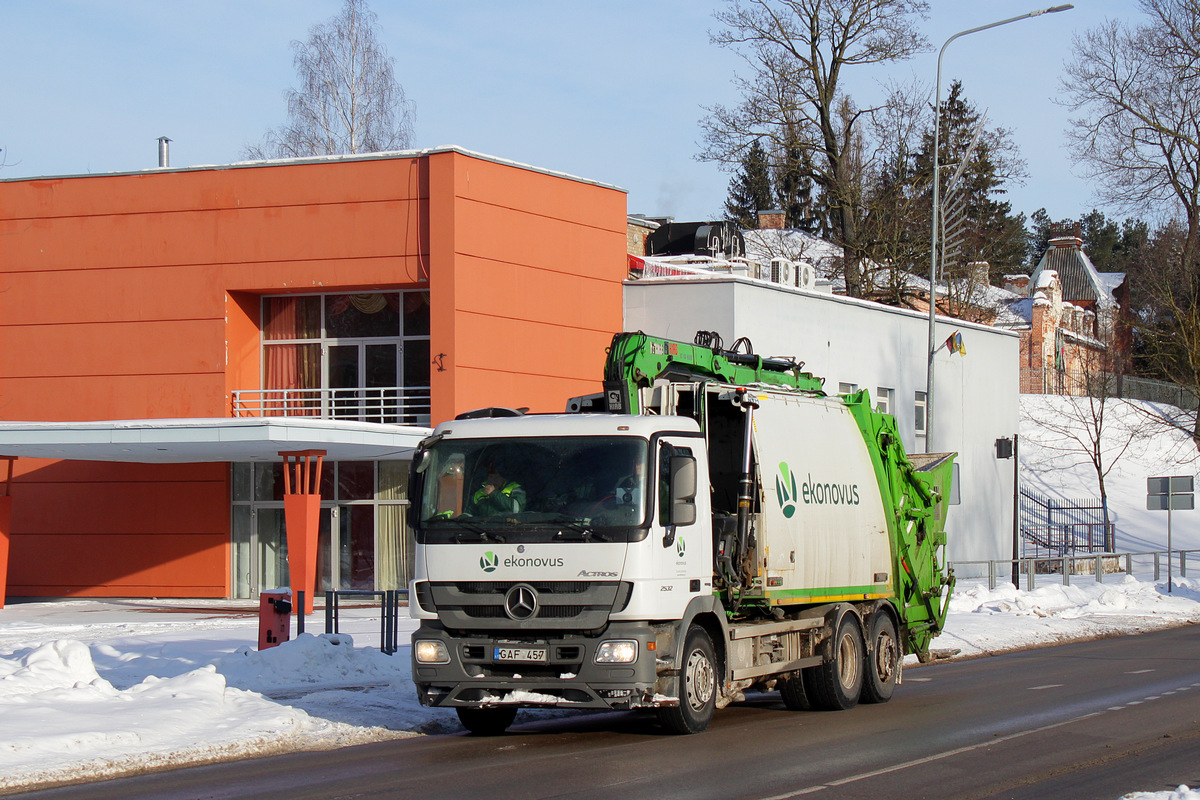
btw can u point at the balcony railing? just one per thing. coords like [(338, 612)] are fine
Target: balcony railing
[(403, 405)]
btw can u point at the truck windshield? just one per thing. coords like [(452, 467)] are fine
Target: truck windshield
[(534, 490)]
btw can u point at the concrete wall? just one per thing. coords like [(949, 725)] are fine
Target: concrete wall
[(872, 346)]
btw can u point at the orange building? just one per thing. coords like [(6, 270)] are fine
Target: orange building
[(399, 288)]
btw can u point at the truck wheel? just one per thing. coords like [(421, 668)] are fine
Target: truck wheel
[(697, 686), (791, 689), (882, 665), (487, 721), (837, 684)]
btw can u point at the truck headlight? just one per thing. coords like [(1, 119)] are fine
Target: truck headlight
[(431, 651), (617, 651)]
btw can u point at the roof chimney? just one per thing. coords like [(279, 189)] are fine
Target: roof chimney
[(164, 152), (771, 219)]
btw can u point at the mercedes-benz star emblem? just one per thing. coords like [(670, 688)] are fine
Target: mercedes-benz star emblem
[(521, 602)]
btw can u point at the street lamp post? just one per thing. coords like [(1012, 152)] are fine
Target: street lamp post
[(937, 212)]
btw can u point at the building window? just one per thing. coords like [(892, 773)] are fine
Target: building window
[(919, 414), (350, 356), (884, 399), (847, 388), (362, 542)]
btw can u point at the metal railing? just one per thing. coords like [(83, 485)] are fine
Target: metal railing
[(394, 405), (1150, 564), (389, 613), (1052, 528)]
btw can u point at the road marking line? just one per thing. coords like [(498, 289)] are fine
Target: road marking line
[(1139, 672), (927, 759), (1047, 686)]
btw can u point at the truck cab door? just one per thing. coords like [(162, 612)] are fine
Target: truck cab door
[(682, 531)]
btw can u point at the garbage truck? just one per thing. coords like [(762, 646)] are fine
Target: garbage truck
[(711, 523)]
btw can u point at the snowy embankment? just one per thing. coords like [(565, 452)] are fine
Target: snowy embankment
[(1056, 440)]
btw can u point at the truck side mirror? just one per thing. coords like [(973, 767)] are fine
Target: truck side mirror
[(683, 490)]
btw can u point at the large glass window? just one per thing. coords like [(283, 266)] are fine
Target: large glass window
[(362, 542), (353, 356)]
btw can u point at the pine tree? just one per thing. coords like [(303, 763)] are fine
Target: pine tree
[(989, 230), (750, 189), (794, 184)]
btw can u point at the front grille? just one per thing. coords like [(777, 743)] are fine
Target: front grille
[(562, 605)]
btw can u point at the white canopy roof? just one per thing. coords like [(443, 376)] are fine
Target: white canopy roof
[(171, 441)]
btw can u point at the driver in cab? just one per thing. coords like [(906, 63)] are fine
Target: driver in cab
[(498, 495)]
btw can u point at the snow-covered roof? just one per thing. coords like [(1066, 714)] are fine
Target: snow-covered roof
[(796, 245), (1080, 280)]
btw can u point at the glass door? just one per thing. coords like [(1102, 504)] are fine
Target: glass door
[(363, 378)]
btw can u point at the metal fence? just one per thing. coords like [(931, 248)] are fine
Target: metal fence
[(1035, 380), (1053, 528), (1150, 565)]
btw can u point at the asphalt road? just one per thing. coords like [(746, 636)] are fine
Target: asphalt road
[(1089, 720)]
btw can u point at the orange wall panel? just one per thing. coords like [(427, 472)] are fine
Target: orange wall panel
[(128, 565), (257, 186), (75, 398), (118, 528), (116, 348)]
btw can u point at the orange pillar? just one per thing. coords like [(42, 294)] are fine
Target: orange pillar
[(302, 519), (5, 525)]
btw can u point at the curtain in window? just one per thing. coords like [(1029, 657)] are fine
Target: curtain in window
[(291, 367), (392, 569), (389, 567)]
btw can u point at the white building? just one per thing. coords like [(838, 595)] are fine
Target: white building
[(857, 344)]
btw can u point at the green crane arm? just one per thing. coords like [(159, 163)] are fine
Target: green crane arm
[(636, 360)]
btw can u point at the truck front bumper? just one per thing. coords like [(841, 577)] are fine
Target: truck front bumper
[(568, 677)]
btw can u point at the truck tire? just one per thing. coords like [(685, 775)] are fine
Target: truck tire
[(791, 690), (697, 686), (487, 721), (837, 684), (882, 664)]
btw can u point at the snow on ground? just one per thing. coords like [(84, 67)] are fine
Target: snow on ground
[(1136, 444), (104, 688)]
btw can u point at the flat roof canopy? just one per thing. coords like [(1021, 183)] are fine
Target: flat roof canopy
[(187, 441)]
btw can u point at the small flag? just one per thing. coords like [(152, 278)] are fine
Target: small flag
[(954, 343)]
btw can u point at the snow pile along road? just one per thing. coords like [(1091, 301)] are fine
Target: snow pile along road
[(133, 692)]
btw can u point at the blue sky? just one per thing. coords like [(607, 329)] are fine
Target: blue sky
[(609, 91)]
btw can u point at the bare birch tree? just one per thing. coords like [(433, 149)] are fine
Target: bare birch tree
[(348, 99)]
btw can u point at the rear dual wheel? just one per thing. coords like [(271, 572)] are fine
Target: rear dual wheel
[(837, 684), (882, 664)]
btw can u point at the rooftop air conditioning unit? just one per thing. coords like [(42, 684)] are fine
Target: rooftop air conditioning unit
[(783, 271), (806, 275)]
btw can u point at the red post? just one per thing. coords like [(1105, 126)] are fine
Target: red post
[(302, 519), (5, 524)]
